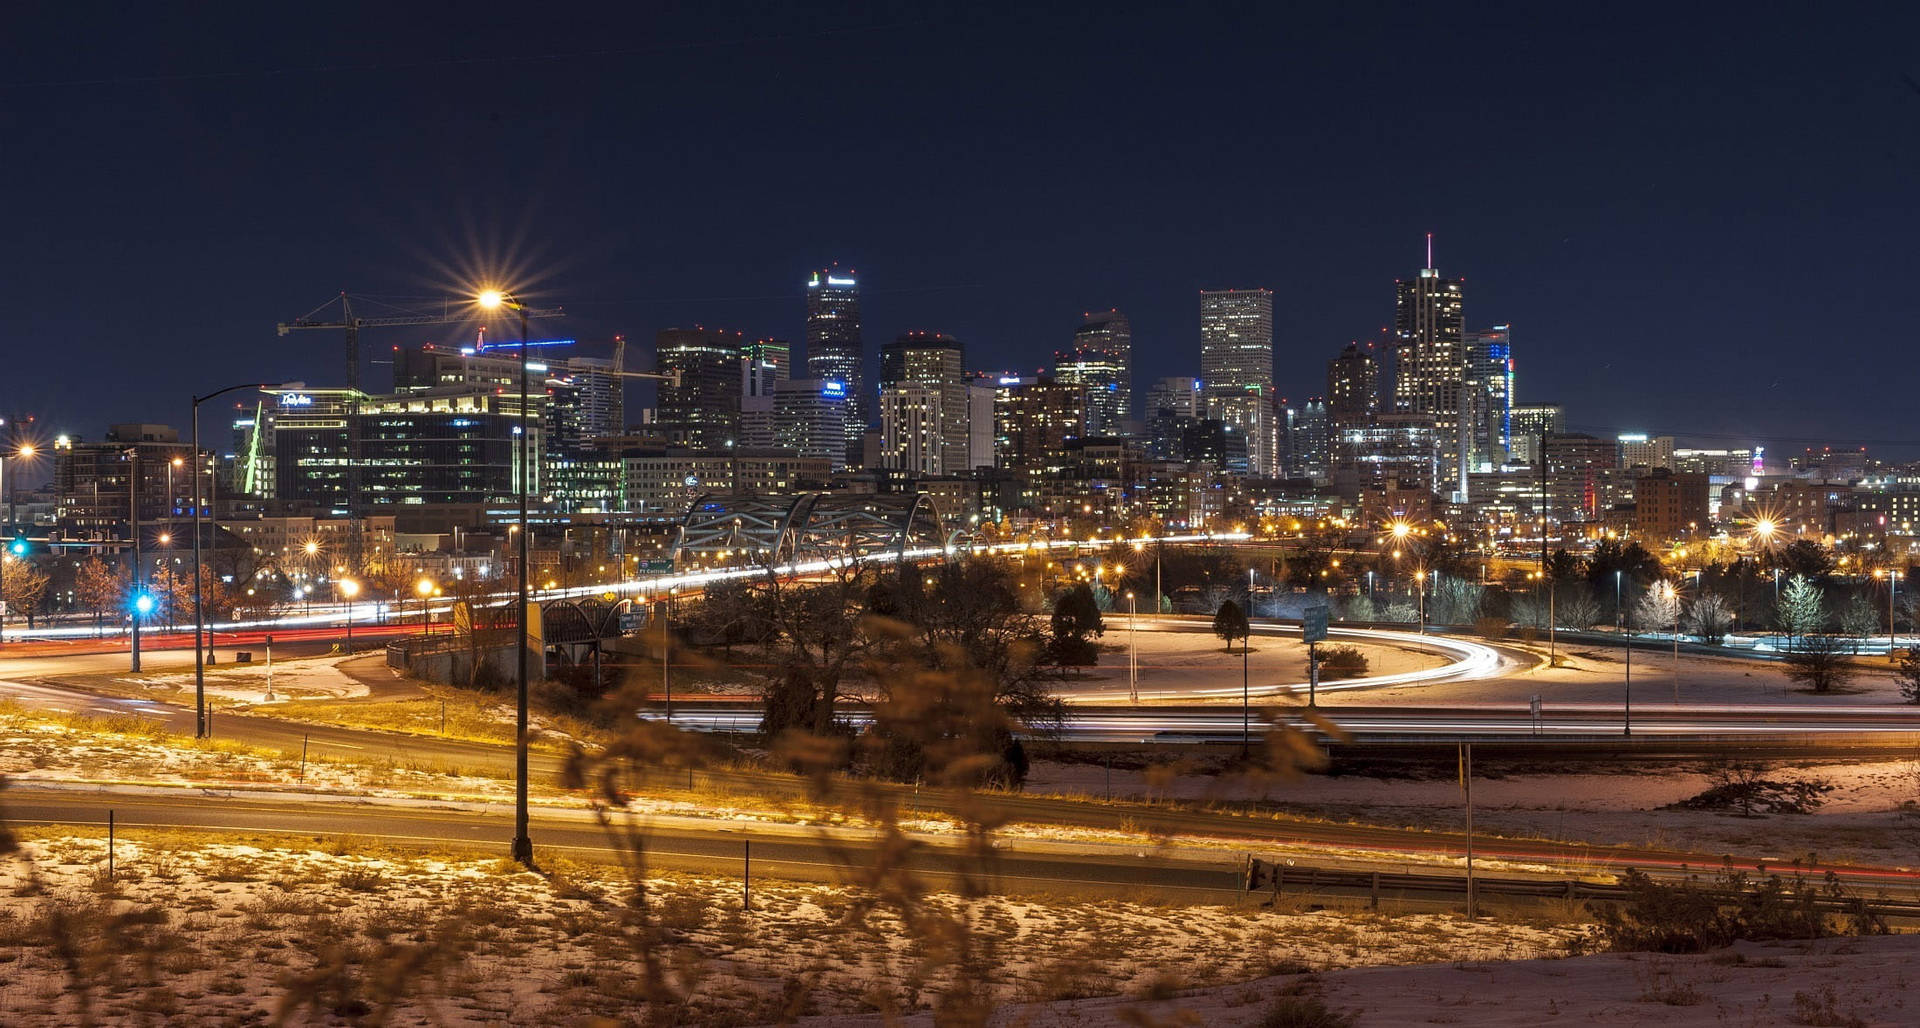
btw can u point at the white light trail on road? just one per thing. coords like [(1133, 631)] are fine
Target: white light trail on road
[(364, 613)]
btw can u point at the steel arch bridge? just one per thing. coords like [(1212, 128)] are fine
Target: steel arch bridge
[(773, 530)]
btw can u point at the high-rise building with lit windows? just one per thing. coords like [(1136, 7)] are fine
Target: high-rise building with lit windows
[(1430, 363), (935, 361), (1101, 360), (1236, 341), (834, 349), (772, 361), (912, 428), (1488, 407), (701, 411), (1353, 387), (1236, 369)]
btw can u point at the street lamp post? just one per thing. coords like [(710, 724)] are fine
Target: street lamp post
[(1133, 654), (1626, 684), (201, 728), (494, 299), (166, 538), (133, 535), (349, 589), (1893, 584), (24, 452), (424, 589), (1673, 597)]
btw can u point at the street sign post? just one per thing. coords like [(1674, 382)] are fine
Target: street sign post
[(1313, 623), (1313, 629)]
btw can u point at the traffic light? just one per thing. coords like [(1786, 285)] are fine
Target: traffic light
[(143, 604), (18, 547)]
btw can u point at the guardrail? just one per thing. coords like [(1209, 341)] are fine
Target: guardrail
[(1278, 878)]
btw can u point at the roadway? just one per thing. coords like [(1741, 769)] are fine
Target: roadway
[(811, 852)]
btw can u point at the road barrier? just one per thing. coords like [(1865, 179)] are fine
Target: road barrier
[(1279, 877)]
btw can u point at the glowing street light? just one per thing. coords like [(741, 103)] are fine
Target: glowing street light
[(493, 300), (424, 589), (348, 590)]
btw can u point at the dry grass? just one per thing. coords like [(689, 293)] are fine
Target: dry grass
[(234, 930), (472, 715)]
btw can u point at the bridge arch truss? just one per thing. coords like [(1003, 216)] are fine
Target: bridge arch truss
[(769, 531)]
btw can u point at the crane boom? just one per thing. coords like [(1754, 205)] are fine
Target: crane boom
[(450, 312)]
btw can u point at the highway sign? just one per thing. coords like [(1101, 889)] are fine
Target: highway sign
[(1313, 623), (663, 567), (632, 621)]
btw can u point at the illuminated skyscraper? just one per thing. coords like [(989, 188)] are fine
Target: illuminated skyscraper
[(701, 412), (934, 361), (772, 355), (834, 350), (1429, 329), (1236, 369), (1101, 359), (1353, 387), (1488, 414), (1430, 362), (1236, 341)]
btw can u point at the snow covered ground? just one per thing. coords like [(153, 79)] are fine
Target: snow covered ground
[(1836, 982), (232, 932), (256, 683), (1869, 817), (1599, 674)]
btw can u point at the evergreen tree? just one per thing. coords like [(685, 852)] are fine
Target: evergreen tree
[(1230, 623)]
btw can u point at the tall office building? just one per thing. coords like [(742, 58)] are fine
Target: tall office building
[(772, 354), (702, 412), (912, 428), (937, 362), (1353, 387), (1637, 450), (1236, 369), (981, 437), (1429, 328), (834, 350), (1236, 341), (451, 445), (1172, 405), (1309, 441), (811, 419), (1033, 419), (592, 395), (1101, 360), (1529, 424), (1489, 397), (1430, 362)]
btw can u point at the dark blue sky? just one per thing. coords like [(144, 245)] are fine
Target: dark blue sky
[(1701, 222)]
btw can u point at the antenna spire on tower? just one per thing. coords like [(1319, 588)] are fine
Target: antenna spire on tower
[(1429, 251)]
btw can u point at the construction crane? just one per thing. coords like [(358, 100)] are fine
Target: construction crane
[(449, 311)]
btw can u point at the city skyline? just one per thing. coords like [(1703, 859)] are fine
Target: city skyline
[(1691, 183)]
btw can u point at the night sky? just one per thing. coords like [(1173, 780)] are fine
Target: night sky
[(1704, 224)]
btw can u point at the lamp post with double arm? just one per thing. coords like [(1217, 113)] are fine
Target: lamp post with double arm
[(201, 728)]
